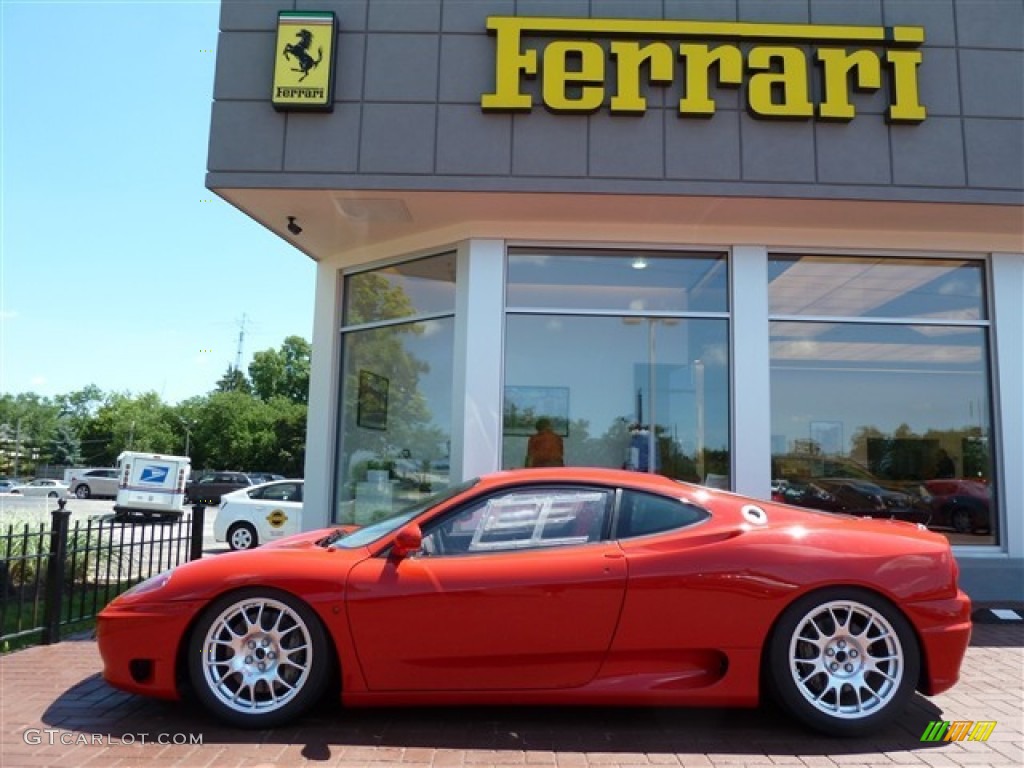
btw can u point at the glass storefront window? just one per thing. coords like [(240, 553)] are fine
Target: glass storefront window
[(625, 281), (884, 419), (421, 287), (396, 389), (874, 287), (652, 395)]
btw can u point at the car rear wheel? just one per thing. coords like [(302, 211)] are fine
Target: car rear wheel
[(82, 492), (961, 519), (843, 661), (242, 536), (52, 495), (259, 658)]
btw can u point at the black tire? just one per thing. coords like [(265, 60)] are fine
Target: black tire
[(843, 661), (243, 536), (961, 519), (82, 492), (259, 626), (52, 495)]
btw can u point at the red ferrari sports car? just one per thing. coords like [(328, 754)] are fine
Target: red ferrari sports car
[(558, 586)]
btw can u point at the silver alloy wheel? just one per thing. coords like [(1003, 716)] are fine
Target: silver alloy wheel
[(257, 656), (846, 659), (242, 536)]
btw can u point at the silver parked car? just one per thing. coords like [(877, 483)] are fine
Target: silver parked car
[(87, 483)]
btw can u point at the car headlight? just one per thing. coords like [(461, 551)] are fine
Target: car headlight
[(149, 585)]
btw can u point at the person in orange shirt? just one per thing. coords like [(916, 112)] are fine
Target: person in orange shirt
[(545, 448)]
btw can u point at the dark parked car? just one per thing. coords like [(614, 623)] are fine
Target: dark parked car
[(210, 486), (854, 496), (963, 505)]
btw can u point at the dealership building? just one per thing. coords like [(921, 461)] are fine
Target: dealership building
[(772, 247)]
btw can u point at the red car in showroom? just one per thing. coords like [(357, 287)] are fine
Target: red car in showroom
[(558, 586)]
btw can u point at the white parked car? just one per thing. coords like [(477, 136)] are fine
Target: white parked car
[(249, 517), (54, 489), (86, 483)]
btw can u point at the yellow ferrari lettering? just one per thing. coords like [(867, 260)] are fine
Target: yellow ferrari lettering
[(579, 73)]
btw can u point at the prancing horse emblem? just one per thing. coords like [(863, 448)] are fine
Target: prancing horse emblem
[(300, 51)]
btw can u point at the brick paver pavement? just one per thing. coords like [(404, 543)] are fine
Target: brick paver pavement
[(55, 710)]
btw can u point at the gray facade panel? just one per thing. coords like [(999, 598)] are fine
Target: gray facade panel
[(471, 15), (992, 83), (627, 147), (401, 67), (348, 69), (637, 9), (252, 15), (421, 73), (995, 153), (397, 138), (991, 23), (245, 136), (405, 16), (314, 143), (701, 10), (788, 11), (938, 94), (777, 151), (853, 153), (936, 16), (245, 66), (578, 8), (459, 83), (470, 143), (930, 154), (867, 12), (703, 149), (544, 144)]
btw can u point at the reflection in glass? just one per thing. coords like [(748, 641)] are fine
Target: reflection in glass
[(633, 281), (887, 421), (652, 395), (856, 286), (395, 417), (421, 287)]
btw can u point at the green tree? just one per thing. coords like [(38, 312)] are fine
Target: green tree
[(66, 448), (234, 380), (128, 422), (282, 372)]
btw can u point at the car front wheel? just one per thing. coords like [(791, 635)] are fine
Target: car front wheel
[(259, 658), (843, 661), (242, 536), (82, 492)]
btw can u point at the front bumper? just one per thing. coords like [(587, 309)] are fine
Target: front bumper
[(139, 645)]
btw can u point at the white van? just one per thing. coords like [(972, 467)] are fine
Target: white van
[(151, 485)]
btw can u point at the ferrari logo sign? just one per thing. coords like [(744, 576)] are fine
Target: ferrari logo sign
[(304, 61), (277, 518)]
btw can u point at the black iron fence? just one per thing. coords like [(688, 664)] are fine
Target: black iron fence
[(55, 578)]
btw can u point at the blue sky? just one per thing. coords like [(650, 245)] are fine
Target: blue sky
[(117, 266)]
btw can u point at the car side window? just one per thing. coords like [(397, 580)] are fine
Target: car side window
[(642, 514), (281, 492), (522, 519)]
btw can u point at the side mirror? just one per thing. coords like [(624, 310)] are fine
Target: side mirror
[(408, 540)]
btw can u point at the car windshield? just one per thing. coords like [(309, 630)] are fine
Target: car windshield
[(381, 528)]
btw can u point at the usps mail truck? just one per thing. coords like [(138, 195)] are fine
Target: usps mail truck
[(151, 485)]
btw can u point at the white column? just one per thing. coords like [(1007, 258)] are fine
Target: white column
[(479, 361), (322, 417), (1008, 329), (750, 367)]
